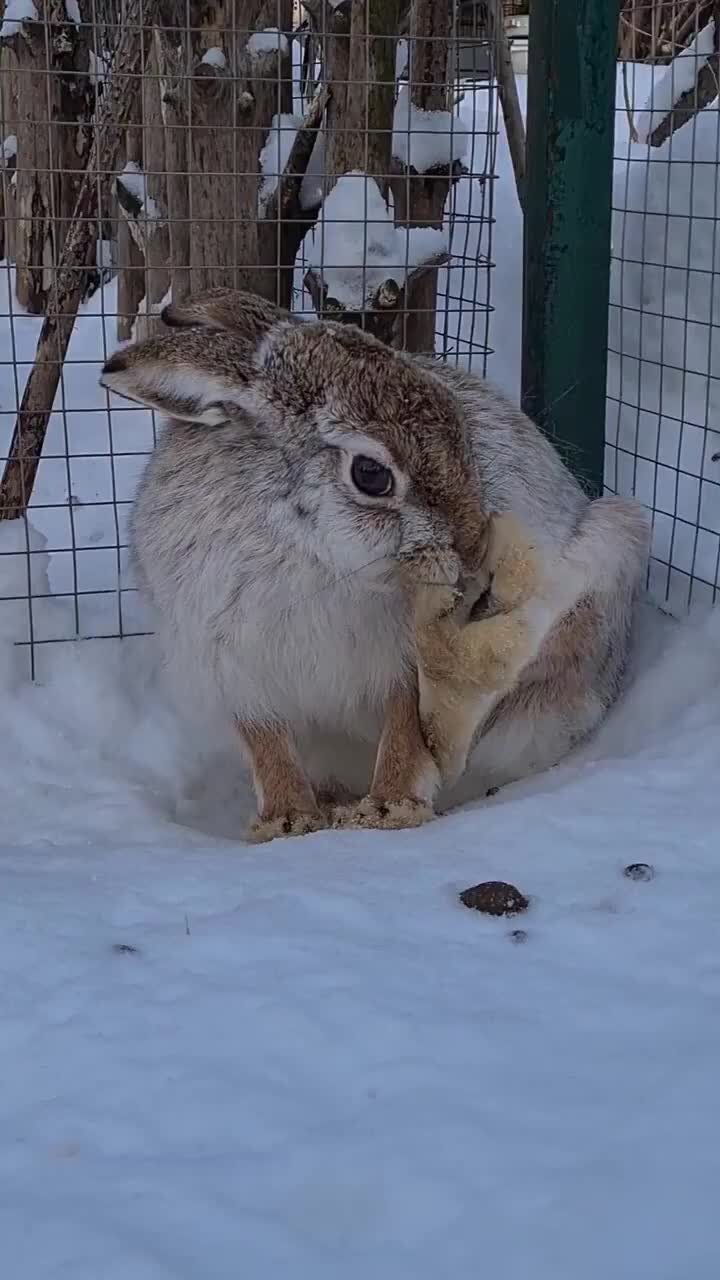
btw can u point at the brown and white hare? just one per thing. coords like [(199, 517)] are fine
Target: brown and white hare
[(324, 516)]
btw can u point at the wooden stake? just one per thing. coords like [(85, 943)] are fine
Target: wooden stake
[(508, 94), (69, 279)]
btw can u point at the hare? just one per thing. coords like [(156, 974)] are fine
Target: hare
[(345, 542)]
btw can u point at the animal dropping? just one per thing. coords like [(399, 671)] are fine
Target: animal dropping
[(495, 898), (639, 871), (518, 936)]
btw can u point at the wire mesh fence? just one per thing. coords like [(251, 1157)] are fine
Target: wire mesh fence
[(337, 158), (663, 425), (341, 159)]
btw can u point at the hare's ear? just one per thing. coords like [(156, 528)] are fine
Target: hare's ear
[(234, 309), (295, 364), (194, 376)]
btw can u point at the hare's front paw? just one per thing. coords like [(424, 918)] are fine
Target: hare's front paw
[(292, 823), (384, 815)]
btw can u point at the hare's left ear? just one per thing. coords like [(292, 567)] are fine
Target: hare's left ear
[(212, 375), (189, 375)]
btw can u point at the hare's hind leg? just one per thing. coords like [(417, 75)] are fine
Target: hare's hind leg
[(465, 668), (575, 672)]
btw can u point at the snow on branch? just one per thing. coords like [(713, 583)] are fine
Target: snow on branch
[(402, 59), (271, 40), (8, 151), (358, 259), (141, 212), (292, 163), (16, 13), (689, 84), (424, 140), (98, 66), (275, 162), (274, 155), (214, 58)]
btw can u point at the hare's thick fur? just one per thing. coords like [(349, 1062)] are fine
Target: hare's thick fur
[(311, 502)]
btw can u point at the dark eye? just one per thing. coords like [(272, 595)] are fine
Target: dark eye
[(372, 478)]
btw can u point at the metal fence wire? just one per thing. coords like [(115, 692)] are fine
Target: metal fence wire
[(663, 420), (337, 158)]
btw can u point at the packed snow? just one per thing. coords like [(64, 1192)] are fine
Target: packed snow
[(8, 150), (15, 13), (355, 246), (72, 9), (308, 1059)]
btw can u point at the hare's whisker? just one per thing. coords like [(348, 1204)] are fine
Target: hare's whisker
[(343, 577)]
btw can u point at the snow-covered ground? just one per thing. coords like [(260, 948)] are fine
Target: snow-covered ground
[(308, 1059), (315, 1062)]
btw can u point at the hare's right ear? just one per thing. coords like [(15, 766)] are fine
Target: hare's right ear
[(232, 309), (196, 376)]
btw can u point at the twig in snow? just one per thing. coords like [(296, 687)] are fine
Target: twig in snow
[(285, 199)]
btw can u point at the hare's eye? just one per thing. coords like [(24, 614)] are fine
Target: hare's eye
[(371, 477)]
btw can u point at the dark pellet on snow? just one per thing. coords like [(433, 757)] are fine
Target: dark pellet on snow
[(639, 871), (518, 935), (495, 898), (124, 949)]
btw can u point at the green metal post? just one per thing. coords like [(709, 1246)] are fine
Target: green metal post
[(568, 196)]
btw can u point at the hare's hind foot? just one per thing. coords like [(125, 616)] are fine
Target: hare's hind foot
[(466, 656), (383, 815), (513, 563), (292, 823), (490, 654), (331, 797), (465, 663)]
